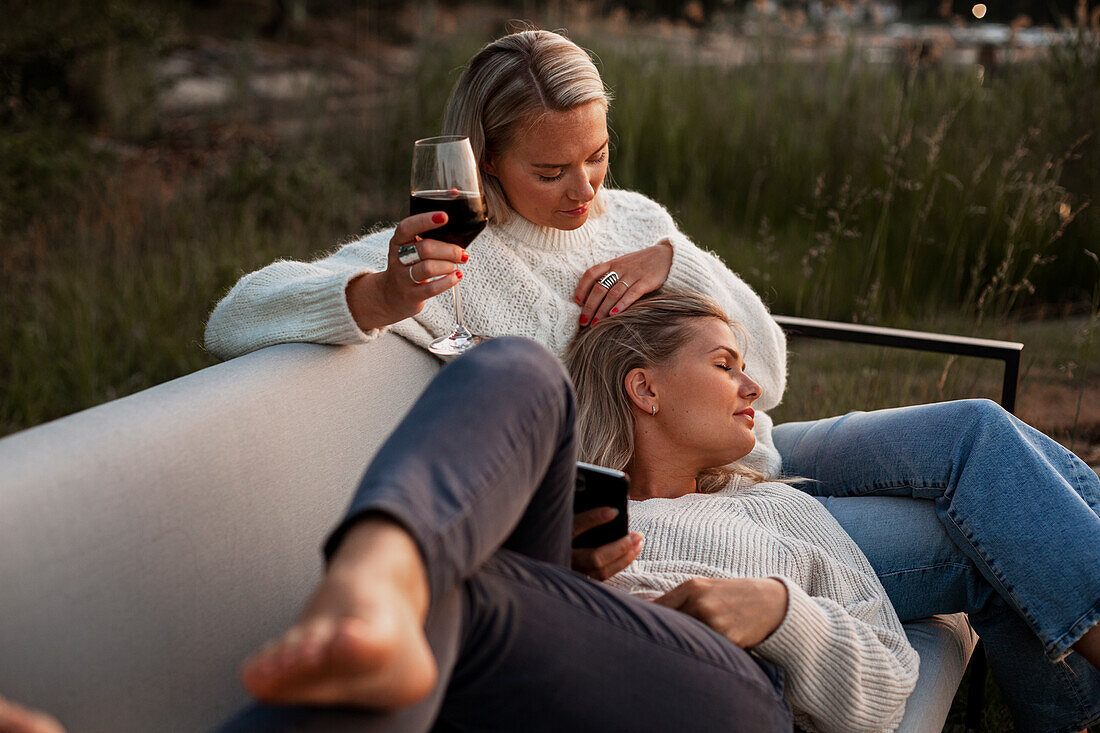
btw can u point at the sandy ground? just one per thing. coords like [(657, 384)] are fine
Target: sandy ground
[(1052, 408)]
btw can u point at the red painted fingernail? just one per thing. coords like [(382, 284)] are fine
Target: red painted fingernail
[(594, 321), (439, 217), (584, 320), (614, 311), (465, 256), (578, 299), (458, 274)]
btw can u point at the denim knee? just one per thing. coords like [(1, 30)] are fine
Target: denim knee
[(981, 411), (981, 425)]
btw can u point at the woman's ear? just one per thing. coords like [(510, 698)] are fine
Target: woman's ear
[(489, 166), (641, 388)]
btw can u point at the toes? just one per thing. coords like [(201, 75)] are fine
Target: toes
[(288, 660), (311, 649), (269, 664), (261, 663), (376, 664), (286, 657)]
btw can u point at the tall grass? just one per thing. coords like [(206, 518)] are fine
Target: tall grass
[(887, 193), (874, 192)]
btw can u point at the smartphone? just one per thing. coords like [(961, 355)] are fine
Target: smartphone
[(598, 486)]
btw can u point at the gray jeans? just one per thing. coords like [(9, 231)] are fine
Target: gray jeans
[(481, 473)]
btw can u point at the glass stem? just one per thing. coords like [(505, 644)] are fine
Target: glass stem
[(460, 325)]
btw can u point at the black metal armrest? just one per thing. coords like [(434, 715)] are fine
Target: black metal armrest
[(1006, 351)]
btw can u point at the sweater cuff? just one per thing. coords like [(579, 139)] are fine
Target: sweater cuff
[(690, 272), (326, 310), (804, 622), (318, 313)]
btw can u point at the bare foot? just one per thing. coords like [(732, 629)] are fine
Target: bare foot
[(18, 719), (360, 640)]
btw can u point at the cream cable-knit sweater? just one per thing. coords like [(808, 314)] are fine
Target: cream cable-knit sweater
[(519, 281), (845, 656)]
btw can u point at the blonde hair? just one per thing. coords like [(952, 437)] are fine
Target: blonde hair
[(647, 334), (509, 85)]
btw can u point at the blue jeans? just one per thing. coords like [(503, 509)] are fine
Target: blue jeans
[(960, 506), (481, 473)]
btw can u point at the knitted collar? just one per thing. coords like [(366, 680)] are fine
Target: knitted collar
[(520, 232)]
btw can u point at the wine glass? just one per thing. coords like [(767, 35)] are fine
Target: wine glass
[(444, 178)]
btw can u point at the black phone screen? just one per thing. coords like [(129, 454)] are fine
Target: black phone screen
[(598, 486)]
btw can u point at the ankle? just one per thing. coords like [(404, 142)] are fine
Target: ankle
[(378, 548), (1088, 646)]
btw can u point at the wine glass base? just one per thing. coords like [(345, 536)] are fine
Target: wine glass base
[(456, 344)]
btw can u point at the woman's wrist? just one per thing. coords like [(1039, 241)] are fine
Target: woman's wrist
[(666, 244), (367, 301)]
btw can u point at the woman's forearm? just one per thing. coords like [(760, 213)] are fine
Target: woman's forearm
[(288, 302)]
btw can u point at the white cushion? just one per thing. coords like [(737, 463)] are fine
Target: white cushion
[(148, 544), (944, 644)]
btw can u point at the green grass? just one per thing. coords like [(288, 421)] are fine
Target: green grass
[(844, 377), (874, 192)]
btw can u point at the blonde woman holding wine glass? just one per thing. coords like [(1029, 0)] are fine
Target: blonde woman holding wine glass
[(561, 251)]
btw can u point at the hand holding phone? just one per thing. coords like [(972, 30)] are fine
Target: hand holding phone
[(602, 547)]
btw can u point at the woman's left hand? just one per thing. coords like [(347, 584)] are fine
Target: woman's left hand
[(744, 610), (639, 273), (600, 563)]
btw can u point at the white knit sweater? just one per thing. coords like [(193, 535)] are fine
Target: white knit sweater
[(519, 280), (846, 659)]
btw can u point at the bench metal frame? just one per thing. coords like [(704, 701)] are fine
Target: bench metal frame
[(1008, 352)]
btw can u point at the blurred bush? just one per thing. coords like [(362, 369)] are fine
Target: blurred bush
[(94, 62)]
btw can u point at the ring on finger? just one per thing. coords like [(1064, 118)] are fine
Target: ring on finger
[(413, 277), (408, 254), (609, 279)]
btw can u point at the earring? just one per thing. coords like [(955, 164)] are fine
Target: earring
[(654, 410)]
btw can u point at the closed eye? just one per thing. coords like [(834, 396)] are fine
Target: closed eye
[(594, 161)]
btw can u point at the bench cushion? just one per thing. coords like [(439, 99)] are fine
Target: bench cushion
[(148, 544)]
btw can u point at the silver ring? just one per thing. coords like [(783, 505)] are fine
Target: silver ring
[(407, 254), (415, 281), (609, 279)]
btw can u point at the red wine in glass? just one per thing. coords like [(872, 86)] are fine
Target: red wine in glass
[(444, 178), (466, 216)]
